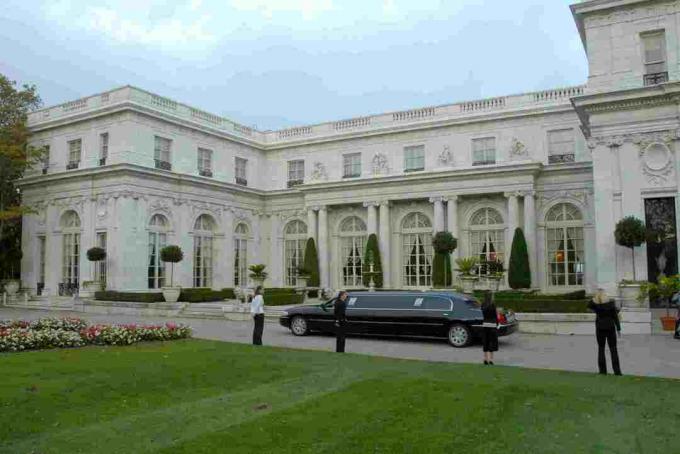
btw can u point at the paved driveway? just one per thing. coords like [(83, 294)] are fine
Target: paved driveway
[(640, 354)]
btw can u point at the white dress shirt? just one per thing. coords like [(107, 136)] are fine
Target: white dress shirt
[(257, 305)]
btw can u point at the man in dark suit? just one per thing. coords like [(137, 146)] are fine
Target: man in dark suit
[(340, 309)]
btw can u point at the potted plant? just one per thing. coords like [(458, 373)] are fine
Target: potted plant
[(443, 243), (172, 254), (94, 255), (10, 257), (494, 273), (665, 289), (303, 276), (258, 274), (630, 232), (466, 268)]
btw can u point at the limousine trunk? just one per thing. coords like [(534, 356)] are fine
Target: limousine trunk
[(453, 316)]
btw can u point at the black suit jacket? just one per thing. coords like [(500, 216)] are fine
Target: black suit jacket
[(607, 315), (340, 310)]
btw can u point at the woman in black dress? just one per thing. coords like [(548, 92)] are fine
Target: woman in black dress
[(607, 327), (489, 328)]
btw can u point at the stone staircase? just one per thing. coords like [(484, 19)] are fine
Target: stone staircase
[(51, 303)]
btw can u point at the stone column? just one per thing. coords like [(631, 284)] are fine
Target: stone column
[(311, 224), (438, 213), (324, 276), (513, 223), (384, 243), (452, 221), (604, 216), (225, 277), (372, 217), (530, 234), (275, 251)]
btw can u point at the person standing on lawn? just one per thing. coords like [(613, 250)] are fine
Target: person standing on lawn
[(340, 311), (489, 328), (257, 311), (607, 327)]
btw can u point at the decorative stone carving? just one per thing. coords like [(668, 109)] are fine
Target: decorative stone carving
[(632, 14), (380, 164), (161, 205), (102, 209), (445, 158), (657, 163), (518, 150), (579, 195), (319, 172), (40, 212)]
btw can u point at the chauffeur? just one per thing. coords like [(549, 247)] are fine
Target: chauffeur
[(340, 309)]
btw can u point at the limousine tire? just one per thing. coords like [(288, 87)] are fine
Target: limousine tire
[(298, 326), (459, 335)]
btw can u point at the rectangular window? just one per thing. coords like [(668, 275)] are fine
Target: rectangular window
[(414, 158), (100, 270), (240, 171), (483, 151), (103, 148), (74, 153), (205, 162), (561, 146), (45, 159), (654, 50), (41, 264), (296, 172), (351, 164), (162, 148)]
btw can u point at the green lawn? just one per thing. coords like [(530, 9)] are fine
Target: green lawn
[(200, 396)]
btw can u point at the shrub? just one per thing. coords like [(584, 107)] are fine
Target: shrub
[(519, 273), (466, 265), (441, 270), (96, 254), (311, 263), (630, 232), (444, 242), (131, 297), (172, 254), (258, 272), (282, 299), (200, 295), (372, 254), (545, 305)]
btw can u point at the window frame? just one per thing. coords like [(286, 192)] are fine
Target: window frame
[(103, 148), (241, 176), (74, 152), (414, 158), (296, 172), (160, 152), (204, 156), (556, 158), (485, 150), (351, 165)]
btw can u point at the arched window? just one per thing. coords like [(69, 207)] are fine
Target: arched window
[(487, 236), (352, 242), (294, 239), (564, 236), (70, 269), (204, 230), (158, 239), (416, 246), (241, 255)]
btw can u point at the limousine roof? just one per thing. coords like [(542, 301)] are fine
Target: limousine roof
[(445, 294)]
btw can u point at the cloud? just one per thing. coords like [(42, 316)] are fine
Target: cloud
[(307, 9)]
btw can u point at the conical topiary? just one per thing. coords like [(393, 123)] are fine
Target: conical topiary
[(443, 244), (519, 273), (372, 253), (311, 263)]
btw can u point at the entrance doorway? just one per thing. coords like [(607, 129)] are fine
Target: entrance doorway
[(662, 250)]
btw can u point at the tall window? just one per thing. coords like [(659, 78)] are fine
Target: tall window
[(416, 247), (561, 146), (158, 239), (352, 242), (204, 229), (414, 158), (205, 162), (100, 270), (296, 172), (103, 148), (564, 233), (161, 152), (351, 165), (70, 270), (74, 152), (294, 239), (241, 255), (45, 159), (654, 48), (483, 151), (240, 168), (41, 264), (487, 241)]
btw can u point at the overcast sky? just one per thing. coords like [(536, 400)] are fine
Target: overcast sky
[(278, 63)]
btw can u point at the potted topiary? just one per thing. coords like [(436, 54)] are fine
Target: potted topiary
[(257, 274), (466, 268), (171, 254), (89, 288), (494, 273), (665, 289), (443, 243), (303, 276), (630, 232)]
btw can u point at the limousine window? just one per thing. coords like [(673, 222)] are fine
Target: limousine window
[(352, 301), (472, 303), (437, 303), (418, 302)]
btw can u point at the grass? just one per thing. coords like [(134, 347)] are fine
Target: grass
[(201, 396)]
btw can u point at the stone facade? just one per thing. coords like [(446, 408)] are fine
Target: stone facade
[(562, 164)]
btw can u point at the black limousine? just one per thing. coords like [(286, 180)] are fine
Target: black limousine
[(450, 315)]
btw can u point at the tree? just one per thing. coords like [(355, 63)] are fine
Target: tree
[(172, 254), (630, 232), (311, 263), (443, 243), (372, 254), (519, 274), (15, 157)]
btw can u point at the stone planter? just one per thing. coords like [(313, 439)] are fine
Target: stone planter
[(468, 283), (494, 282), (302, 282), (12, 287), (171, 294), (628, 293), (258, 281), (89, 288)]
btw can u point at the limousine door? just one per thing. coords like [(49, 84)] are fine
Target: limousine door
[(359, 315), (396, 314)]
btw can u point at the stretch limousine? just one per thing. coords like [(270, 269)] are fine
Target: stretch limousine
[(450, 315)]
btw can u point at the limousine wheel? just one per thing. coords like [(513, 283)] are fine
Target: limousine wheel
[(459, 335), (298, 326)]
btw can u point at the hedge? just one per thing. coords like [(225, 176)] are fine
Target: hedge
[(311, 263), (545, 306), (441, 270), (519, 274), (189, 295), (200, 295), (130, 297), (523, 296), (281, 299)]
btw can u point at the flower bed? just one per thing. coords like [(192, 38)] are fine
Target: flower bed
[(20, 335)]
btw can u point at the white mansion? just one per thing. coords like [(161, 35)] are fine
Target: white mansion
[(132, 171)]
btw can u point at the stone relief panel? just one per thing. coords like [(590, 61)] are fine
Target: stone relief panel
[(445, 158), (319, 172), (518, 150), (380, 164), (656, 161)]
